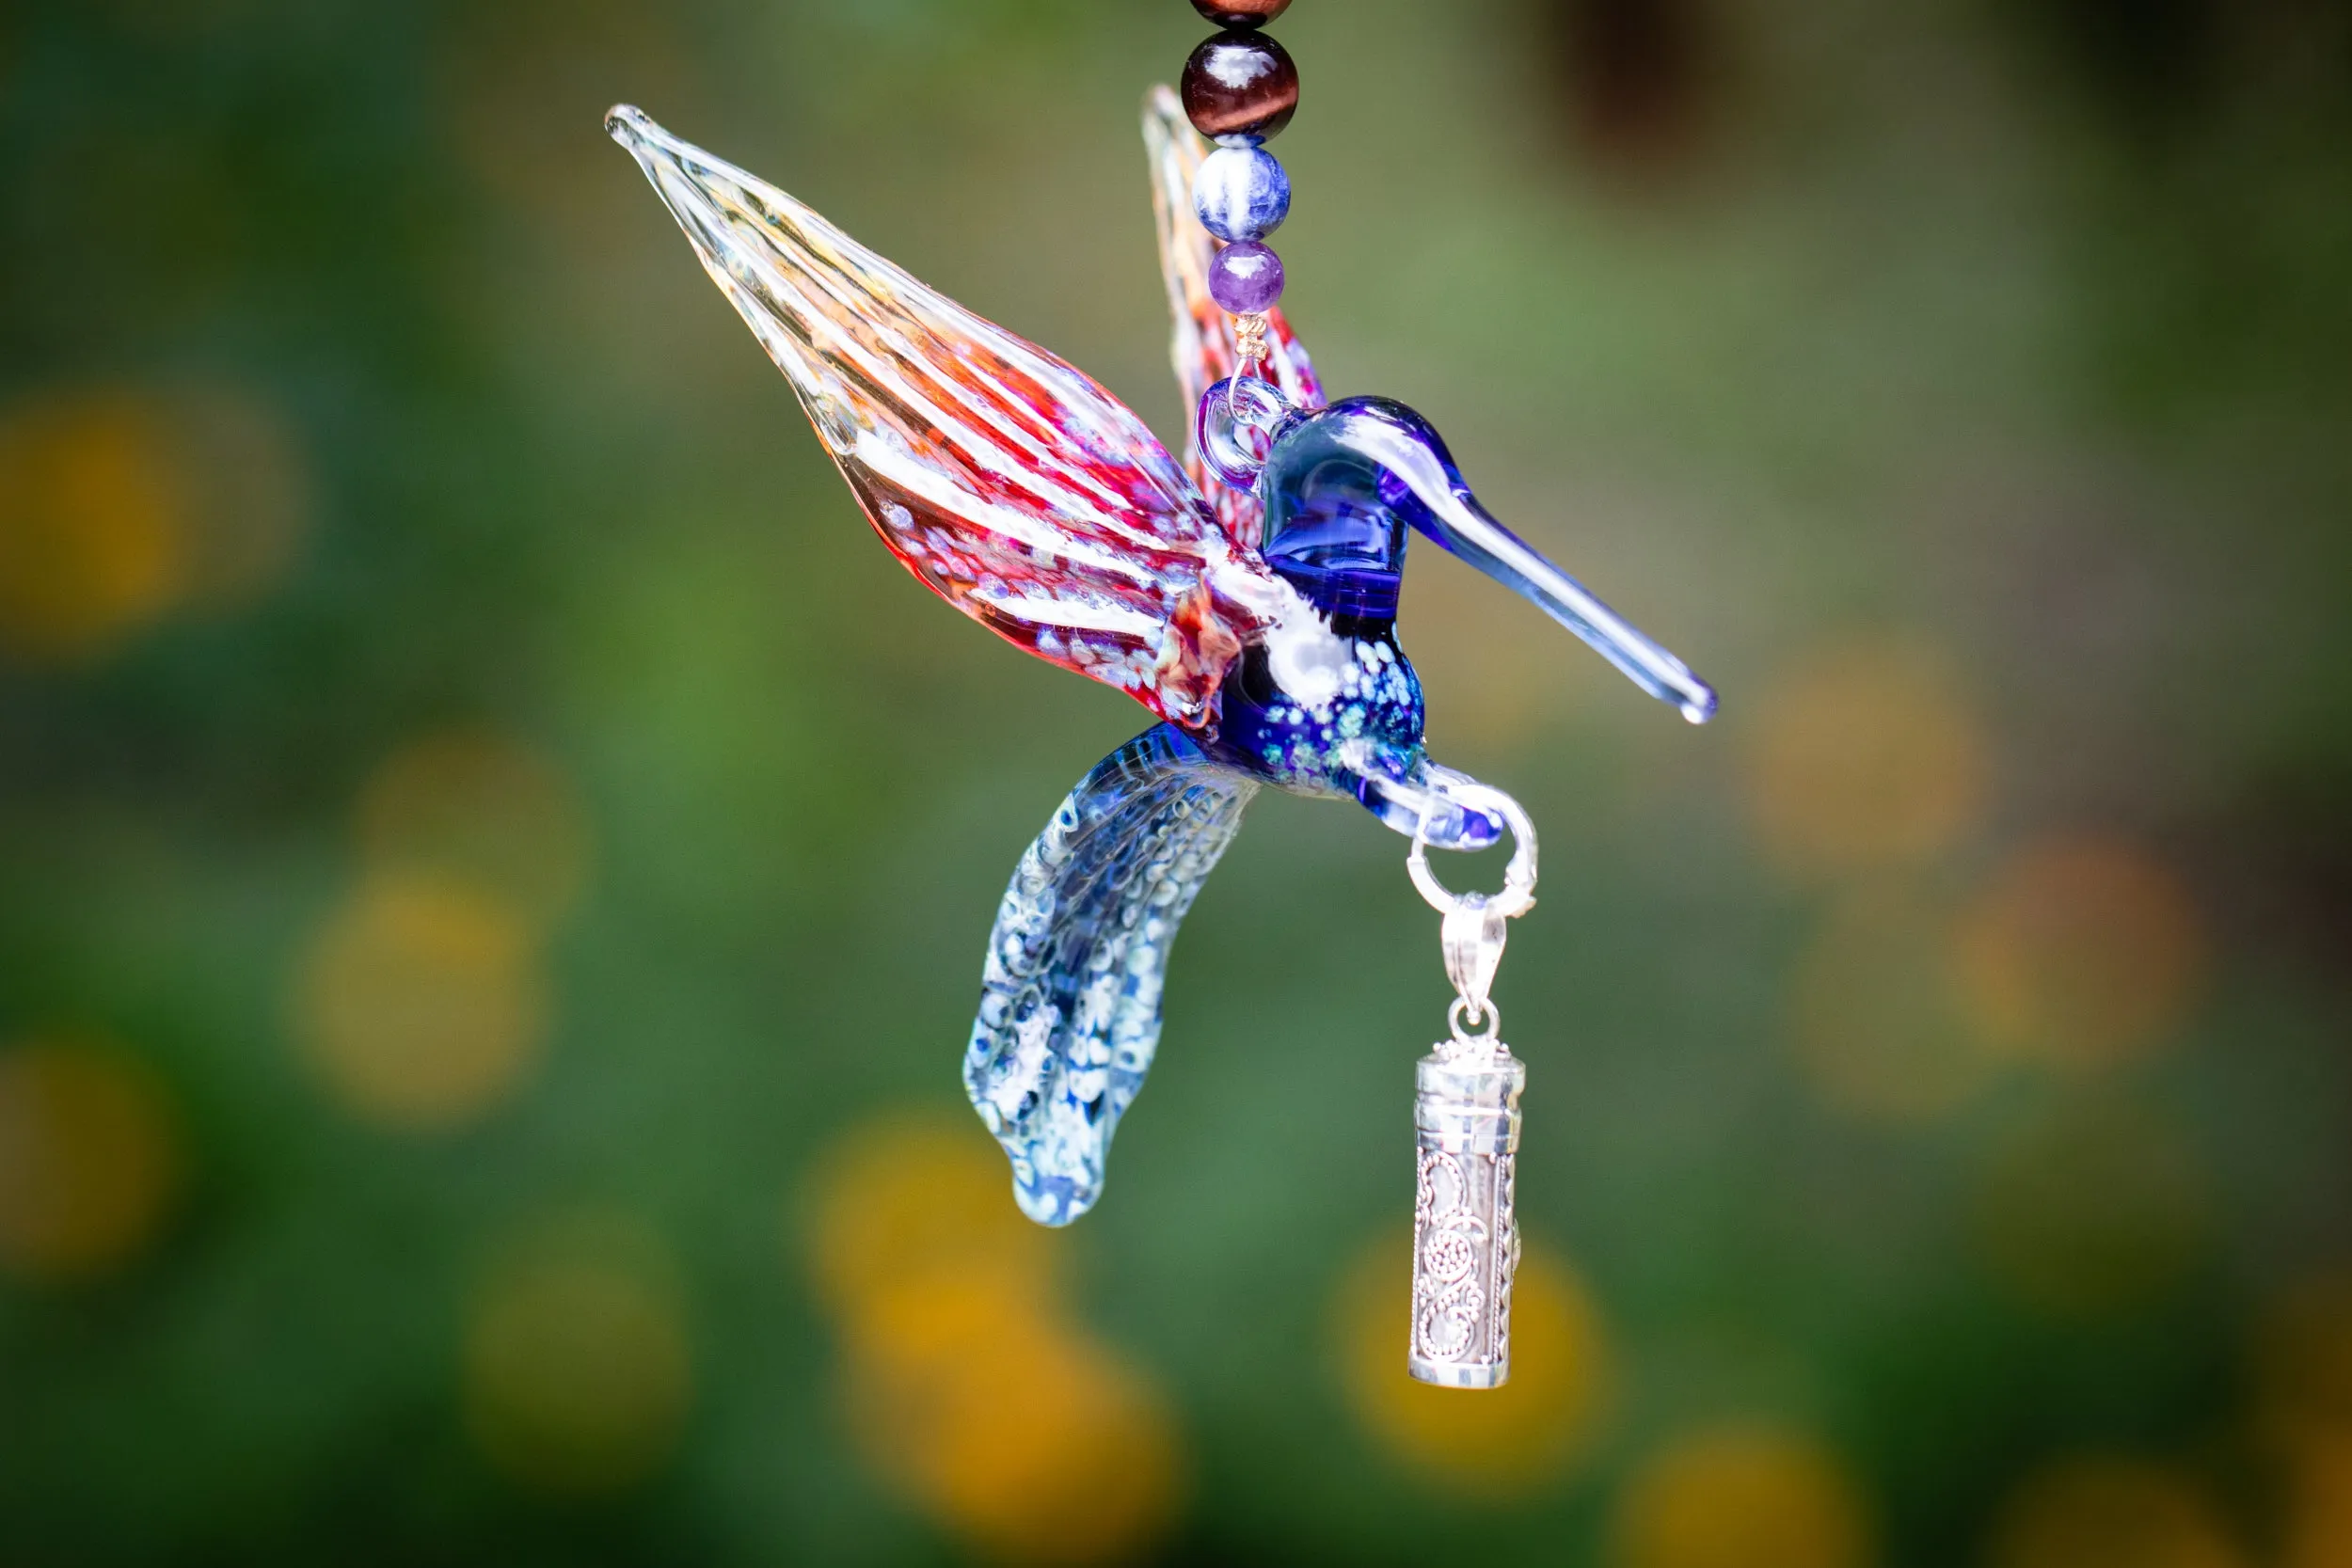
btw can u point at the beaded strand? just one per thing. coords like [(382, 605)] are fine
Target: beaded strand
[(1239, 89)]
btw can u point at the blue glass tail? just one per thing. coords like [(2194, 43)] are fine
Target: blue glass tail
[(1070, 1002)]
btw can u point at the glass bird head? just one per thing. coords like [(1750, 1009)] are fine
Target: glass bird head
[(1343, 488)]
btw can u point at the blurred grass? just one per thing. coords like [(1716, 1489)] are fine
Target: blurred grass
[(1989, 341)]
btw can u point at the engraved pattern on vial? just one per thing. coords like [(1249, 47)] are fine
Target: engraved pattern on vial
[(1450, 1302)]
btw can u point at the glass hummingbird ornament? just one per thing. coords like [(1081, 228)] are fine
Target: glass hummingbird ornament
[(1253, 614)]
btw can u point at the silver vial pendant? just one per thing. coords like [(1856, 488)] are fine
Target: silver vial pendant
[(1465, 1237), (1465, 1233)]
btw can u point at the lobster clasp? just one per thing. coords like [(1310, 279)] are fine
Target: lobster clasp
[(1476, 923)]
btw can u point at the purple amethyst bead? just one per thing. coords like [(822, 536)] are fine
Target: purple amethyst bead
[(1245, 277)]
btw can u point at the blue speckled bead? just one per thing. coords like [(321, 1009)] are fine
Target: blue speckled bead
[(1241, 193)]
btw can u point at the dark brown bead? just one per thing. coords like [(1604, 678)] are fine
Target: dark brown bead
[(1241, 14), (1240, 85)]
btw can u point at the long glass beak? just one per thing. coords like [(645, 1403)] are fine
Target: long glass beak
[(1486, 543), (1453, 517)]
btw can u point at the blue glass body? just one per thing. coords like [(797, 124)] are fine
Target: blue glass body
[(1336, 531)]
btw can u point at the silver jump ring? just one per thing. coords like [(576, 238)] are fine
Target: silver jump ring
[(1518, 882), (1460, 1014)]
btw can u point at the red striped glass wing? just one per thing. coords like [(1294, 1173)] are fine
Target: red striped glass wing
[(1009, 482)]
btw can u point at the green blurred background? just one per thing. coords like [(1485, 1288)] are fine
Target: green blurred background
[(494, 858)]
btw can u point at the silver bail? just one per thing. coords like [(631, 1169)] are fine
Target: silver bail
[(1473, 936)]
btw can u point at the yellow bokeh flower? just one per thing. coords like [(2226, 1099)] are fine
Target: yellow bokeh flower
[(120, 505), (475, 807), (578, 1368), (89, 1158), (969, 1386), (1744, 1497), (2099, 1511), (420, 1003), (2085, 952), (93, 524), (1865, 757)]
